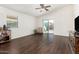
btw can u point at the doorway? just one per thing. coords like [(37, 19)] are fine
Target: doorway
[(48, 26)]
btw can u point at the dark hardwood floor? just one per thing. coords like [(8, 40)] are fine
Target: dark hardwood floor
[(37, 44)]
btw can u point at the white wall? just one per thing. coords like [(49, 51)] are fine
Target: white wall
[(63, 20), (76, 10), (26, 23)]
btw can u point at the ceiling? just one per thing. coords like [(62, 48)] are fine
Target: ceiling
[(30, 8)]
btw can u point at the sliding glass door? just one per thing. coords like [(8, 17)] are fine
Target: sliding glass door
[(48, 26), (45, 26)]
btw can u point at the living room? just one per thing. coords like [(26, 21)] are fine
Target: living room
[(29, 28)]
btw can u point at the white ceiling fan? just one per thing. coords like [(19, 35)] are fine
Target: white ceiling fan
[(42, 6)]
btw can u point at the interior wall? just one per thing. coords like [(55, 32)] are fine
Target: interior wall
[(76, 10), (26, 23), (63, 20)]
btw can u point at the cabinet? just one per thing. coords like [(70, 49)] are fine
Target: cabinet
[(77, 42), (74, 41)]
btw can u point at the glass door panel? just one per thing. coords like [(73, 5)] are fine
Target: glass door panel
[(48, 26)]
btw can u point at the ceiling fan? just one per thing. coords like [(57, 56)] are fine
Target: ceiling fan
[(42, 6)]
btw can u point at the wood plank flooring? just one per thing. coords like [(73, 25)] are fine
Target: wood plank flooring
[(37, 44)]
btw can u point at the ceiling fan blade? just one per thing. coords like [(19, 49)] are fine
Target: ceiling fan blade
[(42, 5), (46, 9), (40, 10), (37, 8), (47, 6)]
